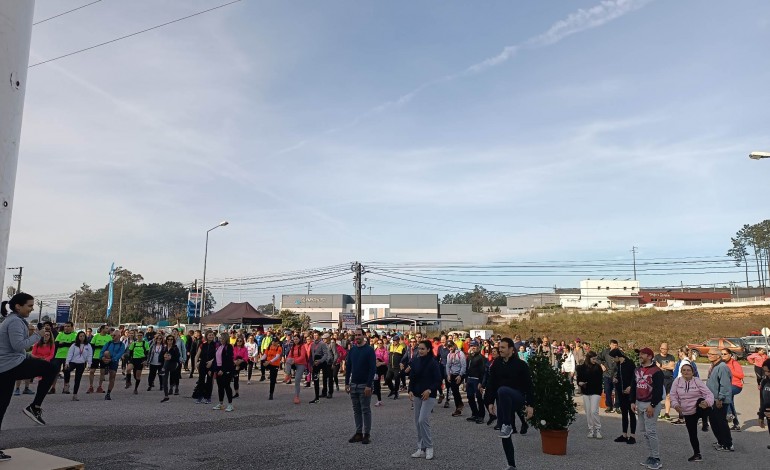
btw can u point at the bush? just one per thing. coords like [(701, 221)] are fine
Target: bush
[(554, 406)]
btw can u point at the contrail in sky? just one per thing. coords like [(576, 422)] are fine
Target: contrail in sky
[(576, 22)]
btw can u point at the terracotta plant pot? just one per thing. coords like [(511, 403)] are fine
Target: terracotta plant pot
[(554, 441)]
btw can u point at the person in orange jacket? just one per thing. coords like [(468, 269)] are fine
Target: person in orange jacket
[(737, 385)]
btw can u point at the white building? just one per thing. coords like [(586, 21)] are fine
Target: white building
[(603, 294)]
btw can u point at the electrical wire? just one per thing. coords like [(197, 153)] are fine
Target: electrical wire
[(66, 12), (133, 34)]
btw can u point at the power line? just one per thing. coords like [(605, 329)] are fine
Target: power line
[(133, 34), (68, 11)]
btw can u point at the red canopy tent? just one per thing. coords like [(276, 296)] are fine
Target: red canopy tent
[(239, 313)]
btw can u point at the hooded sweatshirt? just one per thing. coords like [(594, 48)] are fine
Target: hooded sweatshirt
[(686, 393), (425, 374), (14, 341), (649, 384)]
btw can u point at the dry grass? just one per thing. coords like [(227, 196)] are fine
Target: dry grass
[(644, 328)]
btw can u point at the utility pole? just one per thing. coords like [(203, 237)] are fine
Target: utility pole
[(15, 34), (358, 274), (273, 304), (633, 251), (17, 277), (39, 310), (308, 290)]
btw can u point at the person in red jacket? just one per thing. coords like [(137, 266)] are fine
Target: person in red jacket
[(737, 386), (45, 350)]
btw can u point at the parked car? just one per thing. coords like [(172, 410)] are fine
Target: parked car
[(755, 342), (736, 345)]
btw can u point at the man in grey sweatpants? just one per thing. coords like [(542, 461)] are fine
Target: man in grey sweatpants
[(649, 397)]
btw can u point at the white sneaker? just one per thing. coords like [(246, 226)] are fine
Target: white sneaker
[(598, 435), (429, 453), (419, 454), (229, 408), (590, 434), (379, 403), (217, 407), (248, 383)]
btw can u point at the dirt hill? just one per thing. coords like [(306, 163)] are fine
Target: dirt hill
[(645, 328)]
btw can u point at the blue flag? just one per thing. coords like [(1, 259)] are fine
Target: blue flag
[(112, 282)]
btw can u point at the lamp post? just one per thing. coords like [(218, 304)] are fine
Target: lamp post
[(205, 259)]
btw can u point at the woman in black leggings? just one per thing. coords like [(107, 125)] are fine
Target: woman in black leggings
[(16, 336)]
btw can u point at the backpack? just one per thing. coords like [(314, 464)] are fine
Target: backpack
[(133, 346)]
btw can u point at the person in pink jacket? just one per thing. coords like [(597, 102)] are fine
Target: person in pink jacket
[(241, 359), (757, 359), (691, 398)]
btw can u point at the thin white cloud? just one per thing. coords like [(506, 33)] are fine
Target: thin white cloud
[(579, 21)]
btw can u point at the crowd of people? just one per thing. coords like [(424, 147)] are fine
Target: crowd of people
[(491, 374)]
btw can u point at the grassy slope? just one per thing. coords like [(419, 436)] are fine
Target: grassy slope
[(645, 328)]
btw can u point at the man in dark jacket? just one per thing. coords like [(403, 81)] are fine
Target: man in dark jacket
[(360, 367), (474, 373), (509, 383), (608, 366)]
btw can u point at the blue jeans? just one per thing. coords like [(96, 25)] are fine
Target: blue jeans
[(475, 400), (609, 387), (731, 405), (362, 408)]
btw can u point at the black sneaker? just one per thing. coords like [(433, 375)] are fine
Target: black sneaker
[(107, 397), (365, 439), (314, 401), (631, 440), (35, 414), (472, 418), (492, 419), (524, 428), (4, 456), (621, 438), (695, 458), (479, 420)]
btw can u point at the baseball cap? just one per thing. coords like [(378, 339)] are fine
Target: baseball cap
[(647, 351)]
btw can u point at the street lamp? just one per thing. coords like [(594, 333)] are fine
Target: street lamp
[(205, 259), (759, 155)]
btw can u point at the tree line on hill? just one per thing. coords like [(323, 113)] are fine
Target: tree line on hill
[(141, 302), (479, 298)]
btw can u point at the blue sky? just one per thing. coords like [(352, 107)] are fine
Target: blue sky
[(328, 132)]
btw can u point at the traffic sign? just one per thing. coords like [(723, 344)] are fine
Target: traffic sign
[(765, 332)]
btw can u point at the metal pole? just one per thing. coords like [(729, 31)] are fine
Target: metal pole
[(18, 286), (633, 251), (15, 35), (203, 291)]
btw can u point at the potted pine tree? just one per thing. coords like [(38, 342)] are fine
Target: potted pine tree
[(554, 406)]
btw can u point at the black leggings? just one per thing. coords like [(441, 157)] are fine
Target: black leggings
[(223, 387), (691, 421), (28, 369), (625, 409), (79, 368), (153, 372), (273, 373), (455, 387), (176, 376), (59, 364), (335, 376), (249, 370)]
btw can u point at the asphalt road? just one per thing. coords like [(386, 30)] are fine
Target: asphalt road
[(139, 432)]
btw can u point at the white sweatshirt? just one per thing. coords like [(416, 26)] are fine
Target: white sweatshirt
[(82, 354)]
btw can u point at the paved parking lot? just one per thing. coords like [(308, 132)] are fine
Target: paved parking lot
[(139, 432)]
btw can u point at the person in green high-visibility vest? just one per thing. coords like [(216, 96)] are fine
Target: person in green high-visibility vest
[(101, 338), (137, 353), (63, 342)]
